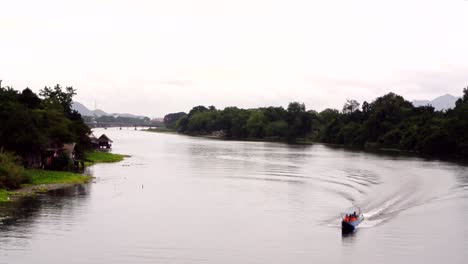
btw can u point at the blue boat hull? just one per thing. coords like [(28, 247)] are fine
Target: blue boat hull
[(347, 227)]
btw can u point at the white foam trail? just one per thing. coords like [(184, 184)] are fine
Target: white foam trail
[(382, 209), (392, 190), (372, 223)]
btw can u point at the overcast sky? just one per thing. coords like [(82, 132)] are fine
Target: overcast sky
[(154, 57)]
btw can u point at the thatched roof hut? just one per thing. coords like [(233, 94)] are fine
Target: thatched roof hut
[(104, 141)]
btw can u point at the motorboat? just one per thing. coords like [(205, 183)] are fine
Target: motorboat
[(350, 219)]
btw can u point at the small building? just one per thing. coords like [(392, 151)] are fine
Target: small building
[(69, 150), (104, 142), (53, 153), (94, 140)]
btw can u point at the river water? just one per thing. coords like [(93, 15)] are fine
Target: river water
[(180, 199)]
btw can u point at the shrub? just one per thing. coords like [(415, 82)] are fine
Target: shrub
[(11, 172), (391, 139)]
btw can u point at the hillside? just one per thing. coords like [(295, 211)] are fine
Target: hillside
[(442, 102), (84, 111)]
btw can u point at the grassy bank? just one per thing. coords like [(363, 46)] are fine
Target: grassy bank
[(44, 180), (36, 180), (38, 177), (102, 157)]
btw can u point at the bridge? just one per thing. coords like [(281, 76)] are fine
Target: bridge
[(121, 125)]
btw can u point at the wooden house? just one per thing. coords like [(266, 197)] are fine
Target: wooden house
[(94, 140), (53, 152), (104, 142)]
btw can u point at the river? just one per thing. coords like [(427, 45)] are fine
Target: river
[(180, 199)]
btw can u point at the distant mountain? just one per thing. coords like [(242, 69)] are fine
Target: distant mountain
[(84, 111), (442, 102), (99, 112)]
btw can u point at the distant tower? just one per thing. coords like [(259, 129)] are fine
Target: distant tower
[(94, 112)]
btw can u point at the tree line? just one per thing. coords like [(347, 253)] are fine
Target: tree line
[(31, 123), (388, 122)]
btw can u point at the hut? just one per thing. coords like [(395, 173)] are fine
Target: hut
[(105, 142), (94, 140), (69, 150), (53, 154)]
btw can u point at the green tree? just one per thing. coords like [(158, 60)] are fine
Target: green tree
[(171, 119), (299, 121), (29, 99), (56, 96), (29, 125), (277, 129), (350, 106), (256, 124), (389, 121)]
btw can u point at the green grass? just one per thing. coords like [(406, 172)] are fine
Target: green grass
[(37, 177), (40, 177), (4, 195), (102, 157)]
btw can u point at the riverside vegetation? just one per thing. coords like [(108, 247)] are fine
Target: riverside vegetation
[(14, 176), (30, 125), (102, 157), (388, 122)]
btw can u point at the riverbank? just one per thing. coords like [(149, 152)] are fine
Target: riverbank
[(102, 157), (371, 148), (40, 181)]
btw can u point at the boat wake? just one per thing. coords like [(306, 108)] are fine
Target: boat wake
[(394, 190)]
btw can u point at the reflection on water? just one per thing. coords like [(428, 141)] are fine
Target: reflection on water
[(18, 219), (191, 200), (26, 209), (349, 237)]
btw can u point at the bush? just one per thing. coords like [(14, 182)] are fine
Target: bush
[(438, 142), (11, 172), (391, 139)]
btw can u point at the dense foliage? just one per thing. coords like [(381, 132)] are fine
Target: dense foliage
[(11, 171), (388, 122), (170, 120), (30, 124), (263, 123)]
